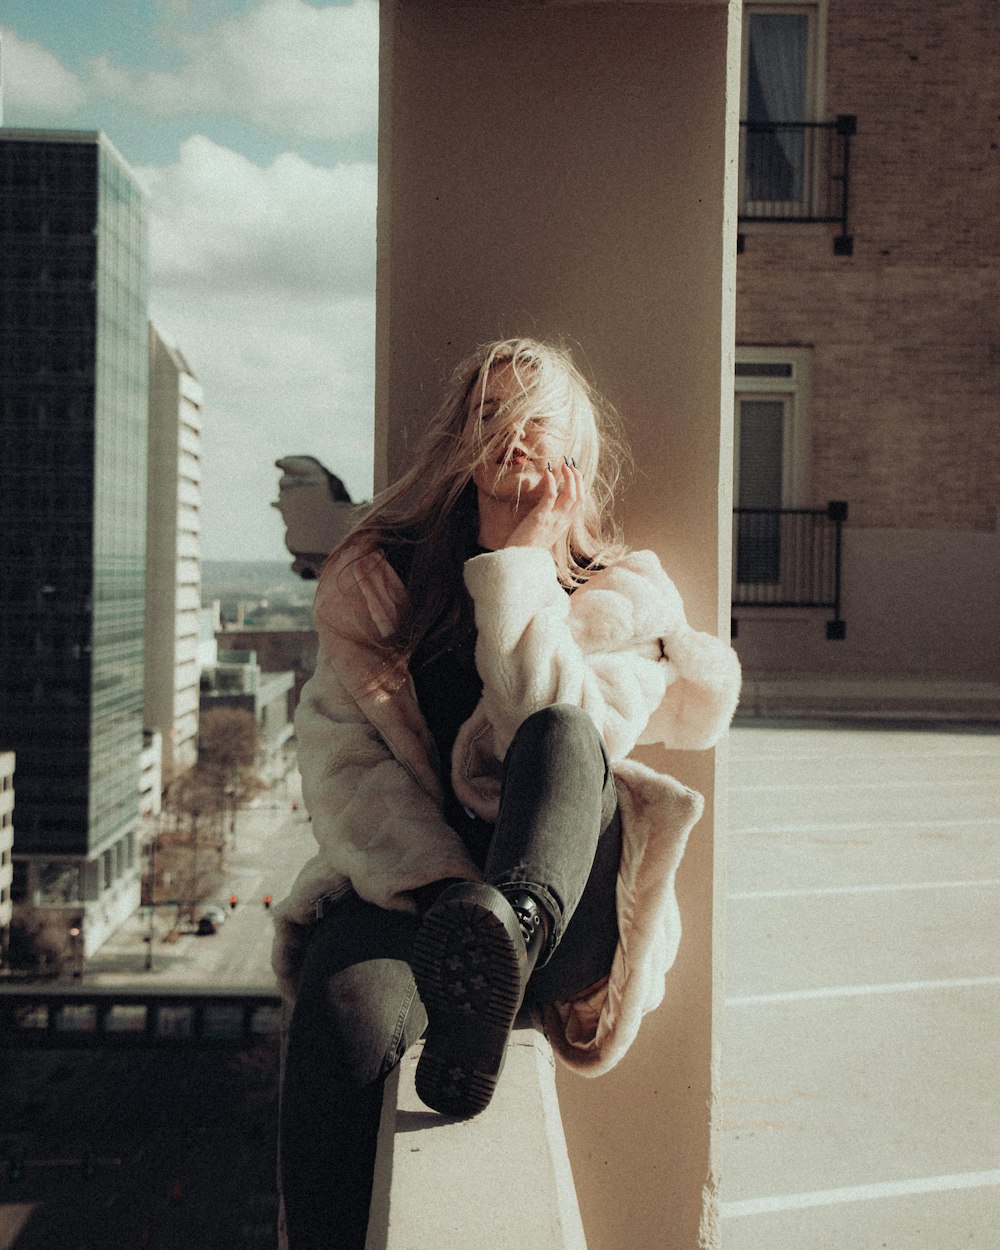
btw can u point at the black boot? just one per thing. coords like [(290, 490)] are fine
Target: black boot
[(535, 923), (472, 958)]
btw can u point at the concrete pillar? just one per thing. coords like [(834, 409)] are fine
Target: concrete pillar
[(567, 170)]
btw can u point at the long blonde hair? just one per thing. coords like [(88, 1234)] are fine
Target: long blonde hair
[(433, 506)]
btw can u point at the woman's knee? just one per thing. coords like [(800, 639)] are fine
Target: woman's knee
[(375, 1015), (563, 727), (363, 1016), (562, 719)]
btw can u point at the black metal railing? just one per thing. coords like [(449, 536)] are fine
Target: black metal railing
[(798, 171), (82, 1016), (789, 558)]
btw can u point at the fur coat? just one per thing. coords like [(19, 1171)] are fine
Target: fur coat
[(619, 647)]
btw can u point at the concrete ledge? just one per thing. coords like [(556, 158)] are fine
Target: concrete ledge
[(501, 1180), (869, 698)]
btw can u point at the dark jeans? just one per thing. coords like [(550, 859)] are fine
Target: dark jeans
[(357, 1009)]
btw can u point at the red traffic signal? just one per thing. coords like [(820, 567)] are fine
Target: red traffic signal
[(267, 900), (233, 900)]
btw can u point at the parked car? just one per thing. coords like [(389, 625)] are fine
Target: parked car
[(210, 919)]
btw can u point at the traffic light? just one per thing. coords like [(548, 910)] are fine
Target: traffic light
[(233, 900), (15, 1166), (267, 902)]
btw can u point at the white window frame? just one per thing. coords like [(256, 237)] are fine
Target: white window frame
[(794, 390), (816, 80), (815, 93)]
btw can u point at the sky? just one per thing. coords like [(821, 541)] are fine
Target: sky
[(252, 125)]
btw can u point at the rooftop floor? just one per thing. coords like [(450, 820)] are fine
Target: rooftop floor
[(861, 1041)]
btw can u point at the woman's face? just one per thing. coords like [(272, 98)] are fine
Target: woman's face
[(515, 470)]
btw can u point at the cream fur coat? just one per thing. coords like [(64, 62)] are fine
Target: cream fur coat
[(619, 648)]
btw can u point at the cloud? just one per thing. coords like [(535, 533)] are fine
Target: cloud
[(220, 219), (265, 276), (36, 81), (286, 66), (289, 383)]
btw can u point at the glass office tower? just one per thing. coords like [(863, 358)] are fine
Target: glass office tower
[(73, 399)]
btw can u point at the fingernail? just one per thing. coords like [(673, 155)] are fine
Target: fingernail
[(548, 466), (566, 458), (573, 462)]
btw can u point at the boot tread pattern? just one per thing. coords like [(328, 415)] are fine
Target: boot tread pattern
[(467, 971)]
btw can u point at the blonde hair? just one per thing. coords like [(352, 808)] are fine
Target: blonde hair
[(433, 505)]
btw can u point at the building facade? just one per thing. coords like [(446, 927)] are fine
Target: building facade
[(173, 555), (73, 389), (277, 651), (867, 343)]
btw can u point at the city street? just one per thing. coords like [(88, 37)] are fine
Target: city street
[(272, 843), (159, 1149)]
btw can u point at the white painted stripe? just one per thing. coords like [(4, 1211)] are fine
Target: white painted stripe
[(849, 783), (806, 892), (860, 826), (856, 991), (858, 1193)]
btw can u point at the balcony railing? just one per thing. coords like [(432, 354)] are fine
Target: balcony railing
[(789, 558), (798, 171), (99, 1016)]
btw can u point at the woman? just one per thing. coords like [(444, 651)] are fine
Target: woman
[(489, 655)]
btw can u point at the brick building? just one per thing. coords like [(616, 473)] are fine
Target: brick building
[(867, 347)]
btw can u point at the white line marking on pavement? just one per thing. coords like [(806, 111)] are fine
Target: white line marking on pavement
[(860, 826), (812, 892), (858, 1193), (856, 991), (853, 785)]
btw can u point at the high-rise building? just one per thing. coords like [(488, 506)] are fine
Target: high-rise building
[(173, 555), (73, 416)]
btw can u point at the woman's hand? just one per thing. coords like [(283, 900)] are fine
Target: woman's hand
[(551, 516)]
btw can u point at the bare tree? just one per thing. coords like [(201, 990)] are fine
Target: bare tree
[(227, 746), (194, 801)]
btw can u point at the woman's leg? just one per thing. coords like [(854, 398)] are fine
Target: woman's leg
[(558, 836), (554, 855), (356, 1013)]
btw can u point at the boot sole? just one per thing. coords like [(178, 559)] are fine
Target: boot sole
[(467, 970)]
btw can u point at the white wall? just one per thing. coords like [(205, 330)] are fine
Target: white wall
[(564, 170)]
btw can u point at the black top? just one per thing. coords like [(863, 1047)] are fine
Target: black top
[(448, 689), (447, 683)]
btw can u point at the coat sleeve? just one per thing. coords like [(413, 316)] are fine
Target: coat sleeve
[(374, 825), (620, 648)]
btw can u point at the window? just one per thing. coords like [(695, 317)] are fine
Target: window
[(58, 882), (782, 85), (20, 885), (772, 453)]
